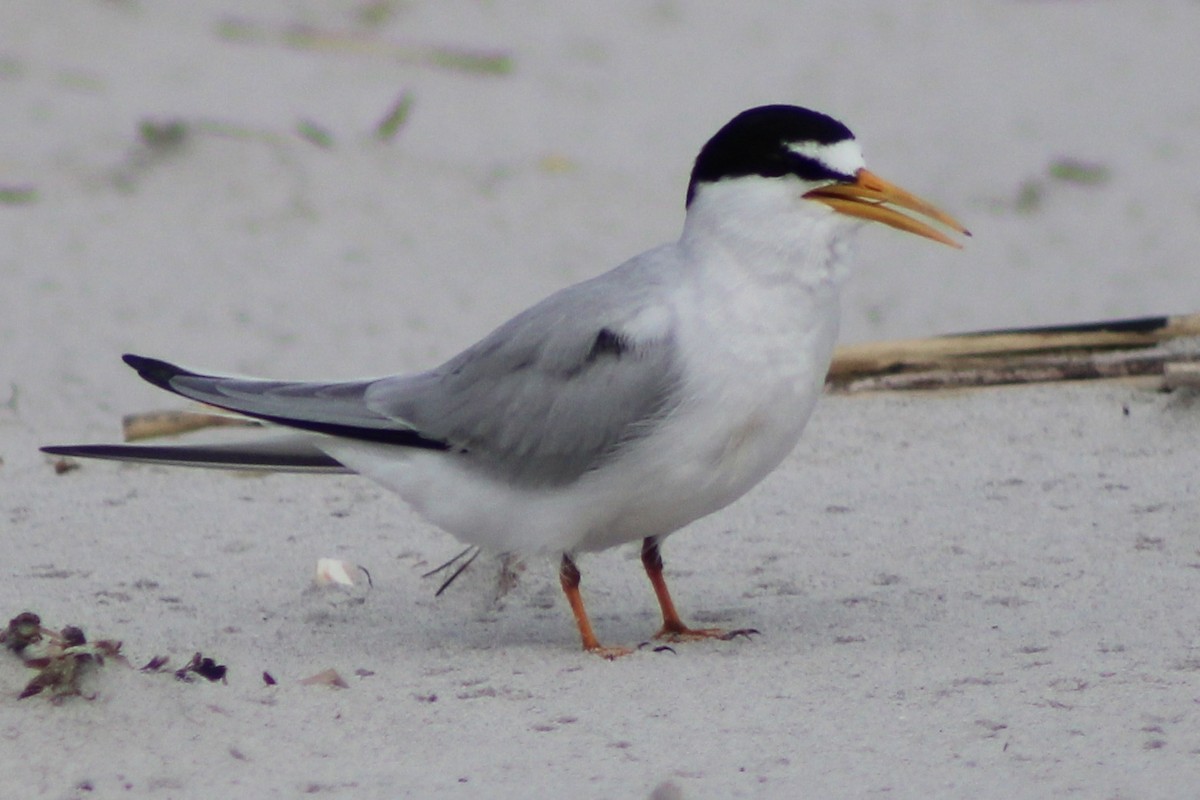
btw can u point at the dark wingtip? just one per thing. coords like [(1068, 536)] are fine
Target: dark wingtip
[(153, 370), (231, 456)]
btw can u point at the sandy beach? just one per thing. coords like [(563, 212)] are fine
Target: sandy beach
[(962, 594)]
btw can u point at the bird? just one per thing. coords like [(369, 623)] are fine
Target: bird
[(621, 408)]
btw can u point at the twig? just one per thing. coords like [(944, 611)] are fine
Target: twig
[(1117, 348), (151, 424), (1031, 369)]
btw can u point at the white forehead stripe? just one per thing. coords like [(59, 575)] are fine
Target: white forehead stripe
[(844, 157)]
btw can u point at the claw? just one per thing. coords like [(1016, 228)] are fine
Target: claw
[(684, 634), (747, 632)]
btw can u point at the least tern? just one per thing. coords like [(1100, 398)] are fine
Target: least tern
[(621, 408)]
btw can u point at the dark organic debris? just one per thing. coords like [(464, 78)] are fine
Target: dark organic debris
[(165, 134), (61, 657), (204, 667), (23, 630), (158, 141), (156, 664), (65, 465), (470, 554)]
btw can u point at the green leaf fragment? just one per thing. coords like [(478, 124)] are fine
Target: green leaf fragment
[(1073, 170), (396, 116), (314, 133)]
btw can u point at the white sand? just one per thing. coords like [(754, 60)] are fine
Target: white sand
[(986, 594)]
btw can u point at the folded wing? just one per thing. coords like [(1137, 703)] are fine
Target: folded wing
[(545, 398), (553, 393)]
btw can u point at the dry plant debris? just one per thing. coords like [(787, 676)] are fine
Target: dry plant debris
[(152, 424), (1107, 349), (64, 465), (61, 657), (395, 118), (204, 667), (155, 664)]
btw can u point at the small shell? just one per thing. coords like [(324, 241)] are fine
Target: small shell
[(332, 571), (327, 677)]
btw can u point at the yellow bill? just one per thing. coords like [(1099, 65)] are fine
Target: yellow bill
[(871, 197)]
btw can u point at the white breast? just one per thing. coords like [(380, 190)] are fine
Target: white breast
[(754, 337)]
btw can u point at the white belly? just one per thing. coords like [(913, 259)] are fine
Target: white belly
[(742, 408)]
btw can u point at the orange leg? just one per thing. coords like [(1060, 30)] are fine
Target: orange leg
[(570, 578), (673, 628)]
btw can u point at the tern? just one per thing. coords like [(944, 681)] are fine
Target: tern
[(618, 409)]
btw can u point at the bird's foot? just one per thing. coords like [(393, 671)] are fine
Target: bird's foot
[(609, 653), (682, 633)]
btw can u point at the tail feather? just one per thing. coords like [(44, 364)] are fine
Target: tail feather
[(337, 409)]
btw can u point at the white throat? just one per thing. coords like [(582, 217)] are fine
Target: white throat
[(766, 227)]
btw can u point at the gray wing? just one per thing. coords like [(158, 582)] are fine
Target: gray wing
[(548, 396), (554, 392)]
